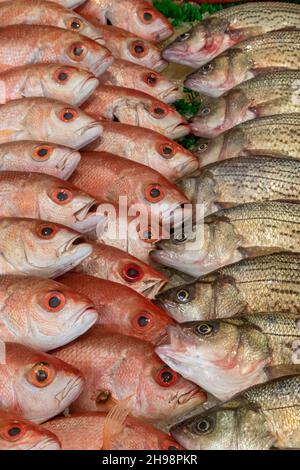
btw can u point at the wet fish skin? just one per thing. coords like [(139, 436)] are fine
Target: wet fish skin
[(255, 137), (265, 95), (231, 235), (24, 395), (228, 27), (279, 50), (263, 284), (44, 119), (240, 180), (264, 416)]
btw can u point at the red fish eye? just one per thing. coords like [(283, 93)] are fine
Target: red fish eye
[(143, 321), (12, 431), (154, 193), (166, 377), (41, 375), (68, 115), (62, 196), (158, 111), (132, 273), (168, 444), (42, 153), (151, 78), (47, 230), (78, 51), (75, 24), (139, 48), (62, 76), (54, 301), (146, 15), (167, 150)]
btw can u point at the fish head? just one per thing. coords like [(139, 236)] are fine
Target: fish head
[(52, 159), (141, 52), (19, 434), (209, 150), (72, 21), (211, 78), (211, 117), (44, 385), (154, 83)]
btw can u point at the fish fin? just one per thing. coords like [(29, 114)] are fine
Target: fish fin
[(114, 421), (282, 370), (265, 109)]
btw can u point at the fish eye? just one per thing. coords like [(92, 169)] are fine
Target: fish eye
[(204, 329), (154, 193), (42, 153), (151, 78), (167, 150), (68, 115), (62, 76), (207, 68), (166, 377), (54, 301), (182, 295), (205, 111), (75, 24), (139, 48), (143, 321), (203, 146), (78, 51), (47, 231), (62, 196), (158, 111), (132, 273), (179, 238), (146, 15), (13, 431), (41, 375), (183, 37), (203, 426)]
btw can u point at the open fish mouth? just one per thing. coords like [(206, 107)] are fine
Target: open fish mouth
[(76, 246), (87, 219)]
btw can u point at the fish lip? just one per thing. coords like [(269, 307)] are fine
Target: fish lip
[(68, 164), (102, 65), (85, 220), (85, 314), (82, 131), (181, 130), (160, 65), (46, 443), (187, 168), (68, 247), (76, 382), (164, 33), (153, 288), (93, 83), (170, 95)]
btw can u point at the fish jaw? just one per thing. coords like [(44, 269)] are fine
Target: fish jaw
[(87, 134), (181, 130), (87, 89), (47, 444), (87, 218), (99, 67), (67, 165)]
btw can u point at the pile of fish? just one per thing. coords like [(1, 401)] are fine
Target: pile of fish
[(148, 342)]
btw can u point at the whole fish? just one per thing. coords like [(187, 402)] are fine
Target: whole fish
[(137, 108), (231, 235), (118, 368), (126, 74), (41, 313), (40, 196), (228, 27), (69, 84), (277, 136), (109, 177), (92, 431), (138, 16), (38, 157), (279, 50), (265, 95), (229, 355), (47, 120), (245, 179), (263, 284), (120, 308), (36, 248), (42, 12), (35, 385), (110, 263), (29, 44), (147, 147), (20, 434), (264, 416)]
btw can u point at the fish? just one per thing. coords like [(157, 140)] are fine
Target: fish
[(266, 95), (118, 367), (112, 264), (254, 138), (39, 157), (268, 283), (120, 308), (228, 355), (228, 27), (263, 417), (29, 44), (69, 84), (20, 434), (245, 179), (36, 385), (86, 431), (147, 147), (41, 313), (233, 234), (37, 248), (138, 17), (126, 74), (136, 108), (108, 177), (48, 13), (278, 50), (47, 120), (39, 196)]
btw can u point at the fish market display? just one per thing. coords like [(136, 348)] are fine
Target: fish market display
[(245, 179), (120, 308), (264, 416), (38, 157), (231, 235), (277, 136), (136, 108), (228, 27), (263, 284), (274, 93), (35, 385), (277, 50), (42, 313), (137, 16), (47, 120), (35, 248), (118, 368), (147, 147)]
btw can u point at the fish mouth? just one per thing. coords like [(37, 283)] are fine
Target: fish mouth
[(87, 219), (152, 287), (102, 65), (187, 167), (195, 393), (160, 65), (99, 40), (170, 95), (163, 34), (77, 243), (86, 317), (178, 131), (67, 164), (47, 444), (73, 388), (87, 87), (87, 134)]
